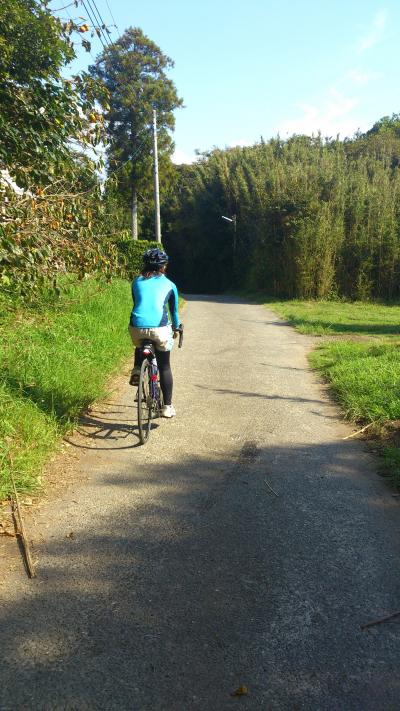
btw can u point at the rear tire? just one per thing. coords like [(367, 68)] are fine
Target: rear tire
[(145, 403)]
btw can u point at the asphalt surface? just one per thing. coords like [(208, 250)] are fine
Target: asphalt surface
[(171, 575)]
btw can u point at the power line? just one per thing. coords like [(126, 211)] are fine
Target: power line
[(112, 17), (58, 9), (73, 21), (101, 23), (131, 158), (94, 23)]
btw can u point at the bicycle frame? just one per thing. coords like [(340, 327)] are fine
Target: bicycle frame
[(149, 391), (149, 352)]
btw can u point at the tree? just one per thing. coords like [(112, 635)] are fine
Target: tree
[(386, 124), (133, 70), (40, 111), (315, 218)]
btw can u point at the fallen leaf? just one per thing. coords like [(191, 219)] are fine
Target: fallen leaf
[(7, 532), (240, 691)]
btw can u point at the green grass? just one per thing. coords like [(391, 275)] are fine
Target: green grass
[(360, 358), (323, 318), (391, 464), (364, 376), (54, 360)]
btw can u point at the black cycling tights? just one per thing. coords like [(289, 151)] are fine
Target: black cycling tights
[(166, 380)]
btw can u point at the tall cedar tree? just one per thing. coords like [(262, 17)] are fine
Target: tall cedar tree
[(133, 69)]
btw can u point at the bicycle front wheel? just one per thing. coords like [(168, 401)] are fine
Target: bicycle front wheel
[(144, 402)]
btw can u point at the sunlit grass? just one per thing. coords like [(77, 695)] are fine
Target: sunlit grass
[(364, 376), (54, 361), (339, 317), (360, 358)]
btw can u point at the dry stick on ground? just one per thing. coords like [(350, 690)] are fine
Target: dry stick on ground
[(21, 531), (270, 487), (359, 431), (382, 619)]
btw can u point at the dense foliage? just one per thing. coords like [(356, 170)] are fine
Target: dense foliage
[(315, 218), (54, 361), (55, 219), (133, 71), (44, 237), (40, 110)]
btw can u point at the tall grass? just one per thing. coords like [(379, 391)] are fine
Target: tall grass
[(54, 361), (341, 318), (360, 358), (364, 376)]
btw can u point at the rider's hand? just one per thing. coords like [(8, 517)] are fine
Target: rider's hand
[(175, 333)]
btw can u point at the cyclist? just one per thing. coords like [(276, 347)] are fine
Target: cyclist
[(152, 294)]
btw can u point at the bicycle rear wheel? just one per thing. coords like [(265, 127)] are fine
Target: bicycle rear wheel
[(145, 403)]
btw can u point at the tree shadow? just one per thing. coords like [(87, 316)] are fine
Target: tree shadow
[(370, 329), (285, 367), (279, 322), (196, 580), (218, 298), (262, 396)]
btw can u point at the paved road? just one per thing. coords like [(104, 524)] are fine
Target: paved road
[(173, 575)]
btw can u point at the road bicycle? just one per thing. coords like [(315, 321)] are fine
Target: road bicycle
[(149, 395)]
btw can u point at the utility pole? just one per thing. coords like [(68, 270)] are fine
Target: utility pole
[(134, 214), (156, 188)]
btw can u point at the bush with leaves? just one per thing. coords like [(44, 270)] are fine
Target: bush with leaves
[(48, 234), (40, 110), (130, 253)]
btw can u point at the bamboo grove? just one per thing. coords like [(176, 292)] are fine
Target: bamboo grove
[(316, 218)]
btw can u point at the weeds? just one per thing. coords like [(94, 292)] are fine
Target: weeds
[(391, 464), (54, 361), (360, 358)]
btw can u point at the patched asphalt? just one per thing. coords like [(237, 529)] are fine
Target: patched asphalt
[(227, 564)]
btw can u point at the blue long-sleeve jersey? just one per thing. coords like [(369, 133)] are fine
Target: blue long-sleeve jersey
[(151, 298)]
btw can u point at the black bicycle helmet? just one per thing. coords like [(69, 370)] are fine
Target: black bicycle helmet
[(155, 258)]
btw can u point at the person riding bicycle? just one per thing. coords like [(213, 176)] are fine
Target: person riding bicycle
[(152, 294)]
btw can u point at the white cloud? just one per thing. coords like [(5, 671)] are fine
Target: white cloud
[(374, 34), (331, 117), (180, 157), (359, 78)]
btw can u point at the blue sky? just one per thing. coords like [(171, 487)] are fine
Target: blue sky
[(259, 68)]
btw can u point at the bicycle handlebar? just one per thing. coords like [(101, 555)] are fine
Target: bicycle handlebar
[(180, 331)]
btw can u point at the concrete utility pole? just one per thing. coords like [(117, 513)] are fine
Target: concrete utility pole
[(156, 188), (134, 214)]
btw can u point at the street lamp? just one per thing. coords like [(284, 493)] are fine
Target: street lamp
[(233, 220)]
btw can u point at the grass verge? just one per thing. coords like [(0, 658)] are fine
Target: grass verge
[(54, 360), (360, 358)]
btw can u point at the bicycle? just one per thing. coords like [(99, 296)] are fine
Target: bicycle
[(149, 394)]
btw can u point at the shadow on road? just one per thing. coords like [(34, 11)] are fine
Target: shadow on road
[(285, 367), (215, 298), (97, 427), (263, 396), (198, 579)]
